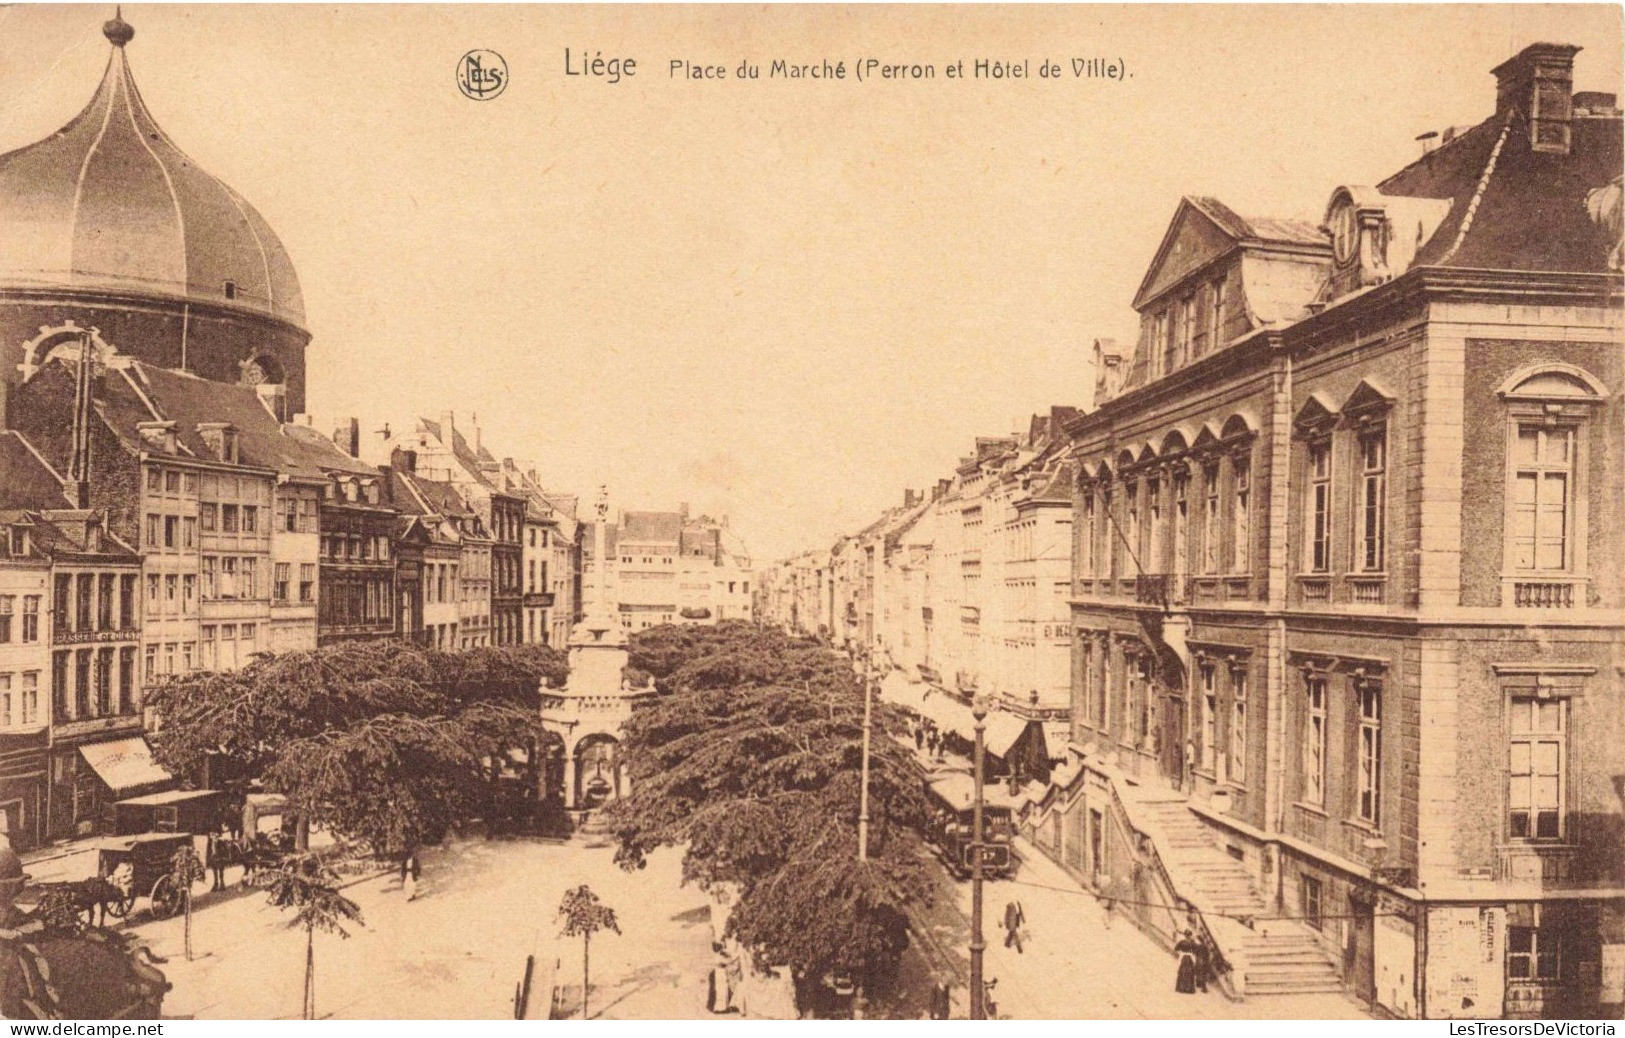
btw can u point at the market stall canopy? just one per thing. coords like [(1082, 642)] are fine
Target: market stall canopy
[(125, 764)]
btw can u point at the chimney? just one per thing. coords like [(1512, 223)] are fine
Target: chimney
[(352, 438), (474, 420), (448, 428), (1539, 83), (682, 509)]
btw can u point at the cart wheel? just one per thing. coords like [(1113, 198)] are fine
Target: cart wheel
[(166, 900), (120, 906)]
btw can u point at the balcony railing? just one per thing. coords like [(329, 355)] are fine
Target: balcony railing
[(1153, 589), (1546, 594)]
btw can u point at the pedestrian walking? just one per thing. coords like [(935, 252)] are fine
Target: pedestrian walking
[(1014, 919), (919, 738), (410, 870), (1204, 962), (941, 1001), (1185, 979)]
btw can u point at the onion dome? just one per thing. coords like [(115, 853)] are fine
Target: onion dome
[(109, 203)]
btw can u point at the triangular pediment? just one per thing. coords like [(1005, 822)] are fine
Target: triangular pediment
[(1317, 411), (1368, 396), (1194, 238)]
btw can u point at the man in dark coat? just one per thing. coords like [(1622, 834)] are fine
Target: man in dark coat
[(1014, 920)]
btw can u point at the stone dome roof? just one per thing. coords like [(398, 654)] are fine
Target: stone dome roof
[(109, 203)]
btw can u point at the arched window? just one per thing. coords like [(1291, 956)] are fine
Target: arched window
[(1548, 409)]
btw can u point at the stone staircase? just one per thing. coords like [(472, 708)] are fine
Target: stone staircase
[(1273, 956)]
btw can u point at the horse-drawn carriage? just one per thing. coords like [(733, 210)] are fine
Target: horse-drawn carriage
[(142, 866), (128, 868)]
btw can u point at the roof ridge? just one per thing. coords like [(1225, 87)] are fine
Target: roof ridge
[(1478, 193)]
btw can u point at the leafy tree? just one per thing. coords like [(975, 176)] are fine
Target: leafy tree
[(310, 886), (383, 742), (751, 758), (185, 869), (584, 915)]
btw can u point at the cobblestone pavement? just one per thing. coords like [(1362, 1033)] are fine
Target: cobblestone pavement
[(458, 951)]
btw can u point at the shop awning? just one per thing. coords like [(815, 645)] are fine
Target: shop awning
[(1002, 729), (174, 796), (125, 764)]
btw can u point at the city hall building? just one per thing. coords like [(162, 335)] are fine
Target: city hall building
[(1347, 614)]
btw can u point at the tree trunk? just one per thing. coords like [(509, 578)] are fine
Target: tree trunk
[(310, 973), (188, 896), (586, 946)]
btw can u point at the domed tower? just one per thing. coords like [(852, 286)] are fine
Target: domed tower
[(106, 224)]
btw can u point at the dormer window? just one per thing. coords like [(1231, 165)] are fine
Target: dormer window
[(221, 439), (19, 541)]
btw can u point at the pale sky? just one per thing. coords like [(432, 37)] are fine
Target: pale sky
[(781, 300)]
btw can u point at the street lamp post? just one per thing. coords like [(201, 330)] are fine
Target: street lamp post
[(978, 1004), (863, 787)]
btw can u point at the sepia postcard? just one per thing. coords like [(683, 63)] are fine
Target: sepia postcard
[(917, 512)]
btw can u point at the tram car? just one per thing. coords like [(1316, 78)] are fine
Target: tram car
[(951, 796)]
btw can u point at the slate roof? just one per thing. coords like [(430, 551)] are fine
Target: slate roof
[(1531, 213), (1257, 228), (651, 527), (142, 392), (29, 482)]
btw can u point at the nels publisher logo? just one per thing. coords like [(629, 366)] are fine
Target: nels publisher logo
[(482, 74)]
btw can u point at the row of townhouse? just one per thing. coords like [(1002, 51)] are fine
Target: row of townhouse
[(963, 590), (158, 524), (1346, 607)]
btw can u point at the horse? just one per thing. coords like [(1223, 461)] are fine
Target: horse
[(90, 897)]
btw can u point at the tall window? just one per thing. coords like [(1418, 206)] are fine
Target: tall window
[(1240, 518), (106, 590), (307, 582), (1086, 536), (1210, 718), (1314, 740), (1319, 510), (1543, 471), (1182, 517), (31, 618), (283, 577), (1238, 725), (1373, 497), (126, 602), (1132, 533), (1369, 694), (1210, 519), (1162, 343), (1535, 768), (30, 700), (1215, 315), (7, 604), (1187, 328), (1108, 532), (1153, 533)]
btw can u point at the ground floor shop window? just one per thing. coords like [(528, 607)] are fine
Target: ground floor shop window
[(1534, 954)]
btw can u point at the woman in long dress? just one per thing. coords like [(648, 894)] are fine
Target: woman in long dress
[(1186, 949)]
